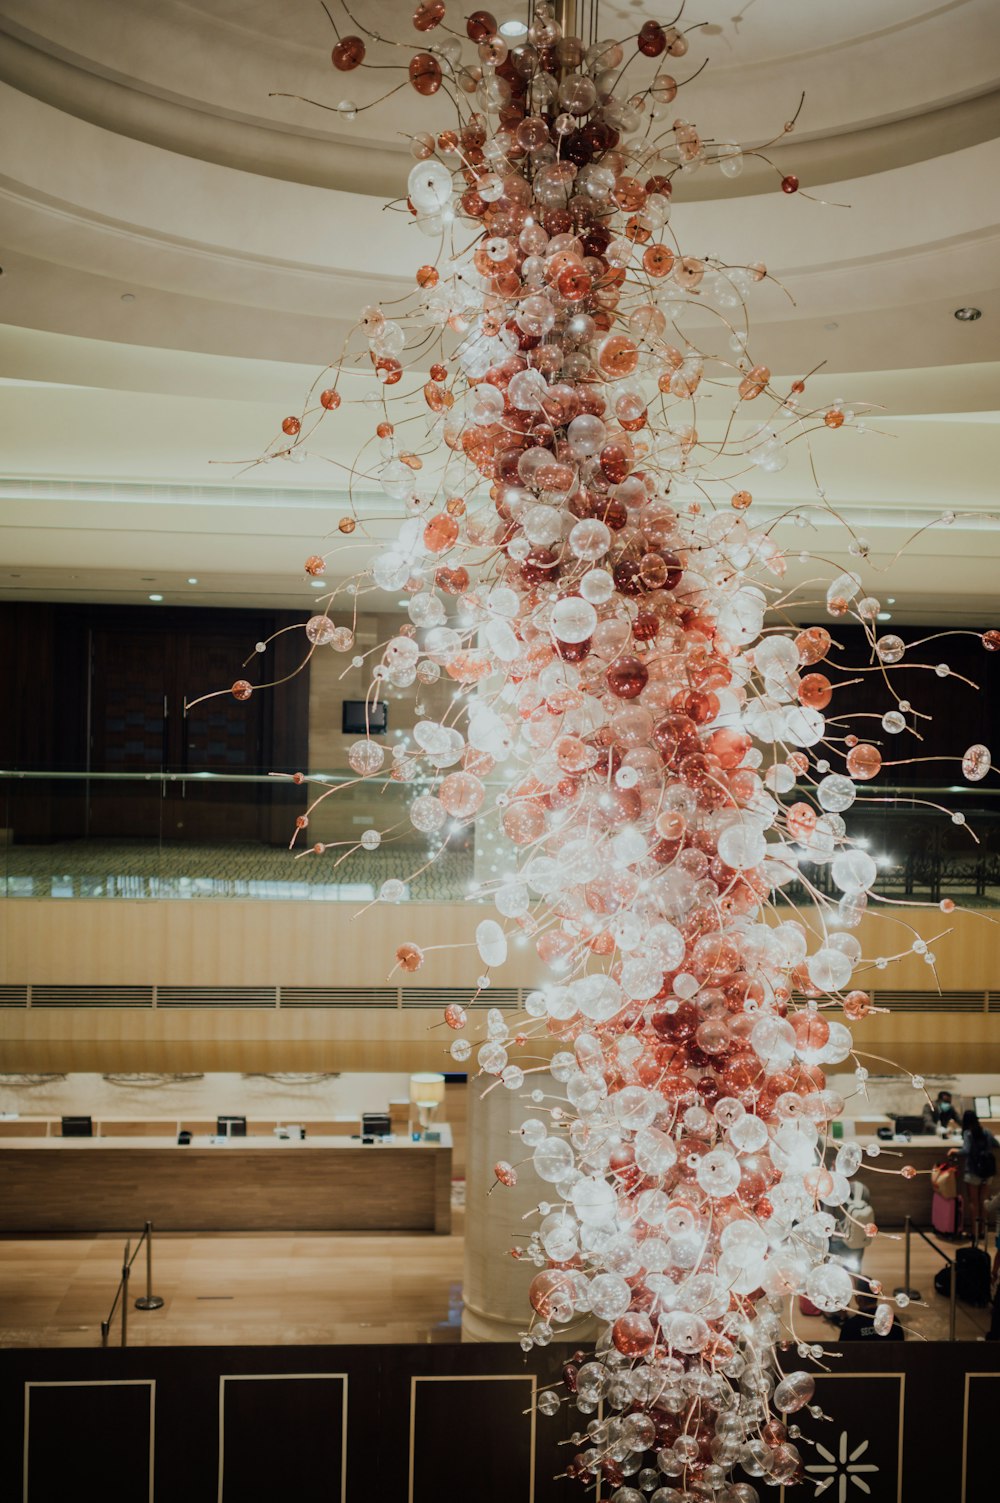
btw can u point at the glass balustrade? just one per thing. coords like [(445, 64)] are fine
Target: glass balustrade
[(183, 836), (218, 835)]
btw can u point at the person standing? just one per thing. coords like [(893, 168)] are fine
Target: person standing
[(980, 1149), (940, 1113)]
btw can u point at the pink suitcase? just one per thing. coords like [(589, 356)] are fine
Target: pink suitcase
[(946, 1215)]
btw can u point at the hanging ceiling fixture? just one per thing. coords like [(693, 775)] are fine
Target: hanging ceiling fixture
[(607, 680)]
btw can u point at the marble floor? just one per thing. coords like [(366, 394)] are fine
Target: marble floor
[(314, 1288)]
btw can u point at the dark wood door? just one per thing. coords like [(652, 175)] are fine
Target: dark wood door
[(220, 735), (129, 718), (141, 679)]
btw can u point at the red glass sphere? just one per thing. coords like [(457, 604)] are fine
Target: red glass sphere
[(348, 54), (425, 73), (627, 678)]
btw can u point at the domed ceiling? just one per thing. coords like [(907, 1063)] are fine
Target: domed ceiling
[(185, 240)]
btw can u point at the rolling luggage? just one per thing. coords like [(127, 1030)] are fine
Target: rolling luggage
[(972, 1271), (946, 1214)]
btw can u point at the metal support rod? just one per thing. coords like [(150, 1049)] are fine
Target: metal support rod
[(952, 1301), (149, 1300), (125, 1274), (105, 1328)]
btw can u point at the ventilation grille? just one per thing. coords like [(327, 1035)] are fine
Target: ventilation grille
[(216, 996), (437, 997), (902, 1001), (340, 996), (390, 998), (91, 996)]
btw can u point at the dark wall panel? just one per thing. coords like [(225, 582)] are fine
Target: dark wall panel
[(304, 1459), (88, 1439), (104, 689), (907, 1421)]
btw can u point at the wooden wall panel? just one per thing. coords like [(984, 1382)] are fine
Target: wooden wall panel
[(254, 943), (232, 943)]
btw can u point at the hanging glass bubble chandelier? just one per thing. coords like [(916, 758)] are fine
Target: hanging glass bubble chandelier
[(631, 708)]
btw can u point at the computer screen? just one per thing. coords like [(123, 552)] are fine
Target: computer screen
[(233, 1127), (77, 1127)]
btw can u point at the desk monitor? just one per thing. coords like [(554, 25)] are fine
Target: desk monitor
[(375, 1125), (231, 1127), (913, 1125), (982, 1106), (994, 1106), (77, 1127)]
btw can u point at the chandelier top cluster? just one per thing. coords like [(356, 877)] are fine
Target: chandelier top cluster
[(601, 648)]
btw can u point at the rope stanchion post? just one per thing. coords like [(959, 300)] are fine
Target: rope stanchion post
[(126, 1267), (906, 1287), (952, 1302), (149, 1300)]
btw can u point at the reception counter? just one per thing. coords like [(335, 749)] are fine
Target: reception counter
[(892, 1197), (246, 1184)]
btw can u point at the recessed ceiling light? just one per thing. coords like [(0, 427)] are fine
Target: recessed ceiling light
[(128, 297), (884, 616), (192, 580), (156, 597), (968, 315), (891, 600), (513, 29), (317, 584)]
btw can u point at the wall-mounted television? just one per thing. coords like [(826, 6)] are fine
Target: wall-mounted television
[(359, 717)]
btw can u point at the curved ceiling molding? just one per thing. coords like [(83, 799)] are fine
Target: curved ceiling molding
[(125, 108), (867, 127)]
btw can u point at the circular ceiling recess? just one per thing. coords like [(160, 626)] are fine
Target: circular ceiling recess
[(885, 84)]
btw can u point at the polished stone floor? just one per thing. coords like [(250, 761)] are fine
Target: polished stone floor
[(248, 1289), (315, 1288)]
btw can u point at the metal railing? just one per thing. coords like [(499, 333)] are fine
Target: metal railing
[(147, 1301)]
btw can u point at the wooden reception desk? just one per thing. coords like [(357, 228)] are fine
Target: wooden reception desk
[(892, 1197), (248, 1184)]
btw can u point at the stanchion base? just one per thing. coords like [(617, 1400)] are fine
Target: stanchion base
[(149, 1302)]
